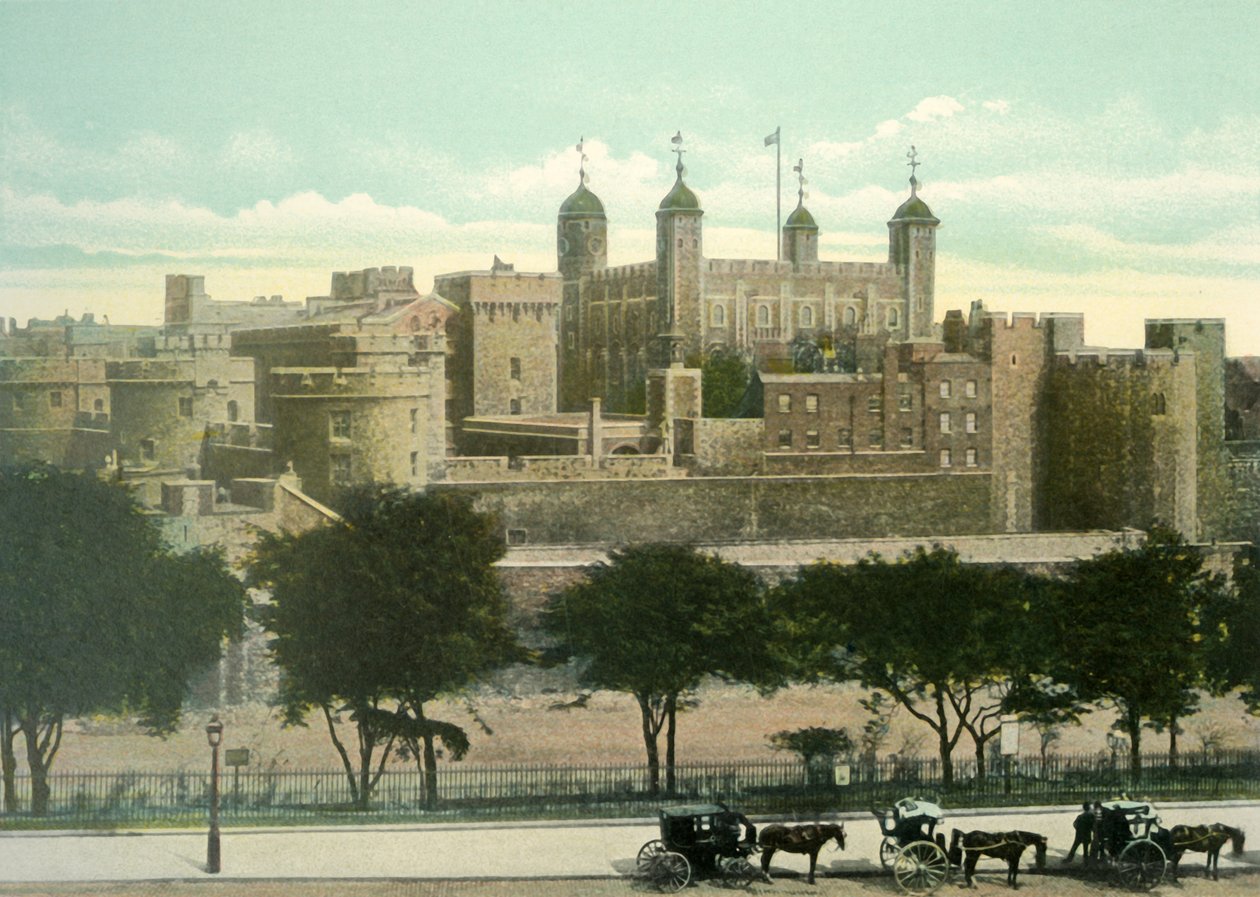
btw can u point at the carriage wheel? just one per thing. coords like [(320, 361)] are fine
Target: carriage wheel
[(737, 872), (921, 867), (648, 851), (1141, 865), (888, 851), (669, 871)]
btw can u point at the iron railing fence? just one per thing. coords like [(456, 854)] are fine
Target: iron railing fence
[(769, 787)]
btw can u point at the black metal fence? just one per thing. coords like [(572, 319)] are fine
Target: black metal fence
[(282, 796)]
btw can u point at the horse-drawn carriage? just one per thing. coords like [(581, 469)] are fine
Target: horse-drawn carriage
[(698, 841), (1134, 841), (911, 846)]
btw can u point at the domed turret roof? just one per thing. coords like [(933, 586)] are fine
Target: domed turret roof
[(801, 218), (914, 207), (680, 199), (582, 203)]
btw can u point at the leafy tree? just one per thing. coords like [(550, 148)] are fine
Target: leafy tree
[(1129, 632), (927, 631), (813, 741), (394, 605), (653, 621), (724, 376), (100, 616), (1233, 631)]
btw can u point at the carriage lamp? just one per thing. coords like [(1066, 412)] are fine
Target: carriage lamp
[(214, 735)]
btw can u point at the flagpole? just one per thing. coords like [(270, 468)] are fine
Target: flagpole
[(778, 196)]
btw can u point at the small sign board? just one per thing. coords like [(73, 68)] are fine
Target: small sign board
[(842, 773), (1010, 736), (236, 757)]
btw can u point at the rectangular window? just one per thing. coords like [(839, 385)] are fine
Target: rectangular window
[(339, 470), (785, 403), (785, 439), (907, 436), (185, 406), (811, 439), (971, 422), (945, 427), (877, 439), (148, 449), (54, 398), (517, 536), (415, 464), (415, 414), (945, 389), (811, 403), (972, 389), (844, 438), (972, 458), (873, 405), (514, 406), (572, 340), (905, 402), (339, 424), (515, 368), (945, 458)]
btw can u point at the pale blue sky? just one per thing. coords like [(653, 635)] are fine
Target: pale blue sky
[(1097, 157)]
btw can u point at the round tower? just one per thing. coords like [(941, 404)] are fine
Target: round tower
[(679, 249), (912, 248), (800, 232)]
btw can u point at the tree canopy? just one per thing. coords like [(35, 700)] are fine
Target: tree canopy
[(724, 377), (653, 621), (99, 614), (373, 616), (926, 630)]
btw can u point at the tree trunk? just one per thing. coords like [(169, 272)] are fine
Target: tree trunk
[(40, 752), (8, 761), (981, 768), (343, 754), (430, 762), (1172, 743), (1133, 721), (649, 742), (946, 749), (671, 715)]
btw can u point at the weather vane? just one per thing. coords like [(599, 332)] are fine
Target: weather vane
[(799, 168), (582, 153), (914, 163), (677, 140)]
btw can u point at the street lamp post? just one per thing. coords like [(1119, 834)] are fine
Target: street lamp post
[(214, 735)]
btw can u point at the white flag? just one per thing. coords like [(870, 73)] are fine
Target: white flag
[(773, 138)]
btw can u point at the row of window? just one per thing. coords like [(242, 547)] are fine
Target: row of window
[(971, 389), (844, 440), (875, 405), (717, 316)]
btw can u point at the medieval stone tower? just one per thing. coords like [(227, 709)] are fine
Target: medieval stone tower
[(679, 249), (800, 231), (912, 248), (581, 247)]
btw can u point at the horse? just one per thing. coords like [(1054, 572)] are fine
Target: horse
[(1207, 839), (965, 849), (797, 839)]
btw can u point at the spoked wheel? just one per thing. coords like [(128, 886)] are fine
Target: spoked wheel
[(1141, 865), (648, 851), (920, 867), (888, 851), (737, 872), (669, 871)]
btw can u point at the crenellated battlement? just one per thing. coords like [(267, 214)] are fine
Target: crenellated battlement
[(1095, 357), (624, 272), (783, 269)]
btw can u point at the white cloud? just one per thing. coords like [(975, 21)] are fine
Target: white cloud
[(932, 108), (1237, 246), (1001, 107)]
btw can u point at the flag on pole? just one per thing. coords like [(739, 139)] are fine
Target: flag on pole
[(773, 138)]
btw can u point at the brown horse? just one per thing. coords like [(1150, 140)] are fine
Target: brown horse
[(1207, 839), (965, 849), (797, 839)]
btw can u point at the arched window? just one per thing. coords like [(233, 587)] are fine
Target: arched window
[(233, 410), (719, 316), (763, 316), (1158, 404), (98, 405), (850, 316), (807, 316)]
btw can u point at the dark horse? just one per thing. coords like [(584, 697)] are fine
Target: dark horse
[(798, 839), (965, 849), (1207, 839)]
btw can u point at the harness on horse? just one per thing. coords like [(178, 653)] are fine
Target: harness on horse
[(995, 845)]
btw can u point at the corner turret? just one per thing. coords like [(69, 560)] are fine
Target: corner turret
[(800, 232), (912, 248), (679, 250)]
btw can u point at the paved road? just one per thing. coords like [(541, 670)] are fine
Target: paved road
[(482, 851)]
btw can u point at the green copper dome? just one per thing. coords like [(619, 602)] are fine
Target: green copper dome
[(680, 199), (914, 207), (582, 203), (801, 218)]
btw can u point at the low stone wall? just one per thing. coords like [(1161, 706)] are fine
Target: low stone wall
[(726, 447), (478, 467)]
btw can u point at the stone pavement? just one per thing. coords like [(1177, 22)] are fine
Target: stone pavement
[(493, 850)]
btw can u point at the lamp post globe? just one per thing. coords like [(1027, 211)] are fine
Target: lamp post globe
[(214, 735)]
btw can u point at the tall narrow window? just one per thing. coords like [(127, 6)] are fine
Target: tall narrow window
[(785, 439), (971, 389), (339, 470), (185, 406), (233, 410), (339, 424), (785, 403), (811, 403), (719, 316), (514, 406), (850, 316), (148, 449), (515, 368), (945, 458), (893, 319), (945, 389), (945, 425), (971, 422), (807, 316), (415, 415), (972, 458), (415, 464), (763, 316)]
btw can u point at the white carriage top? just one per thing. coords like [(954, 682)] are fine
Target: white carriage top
[(917, 808)]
